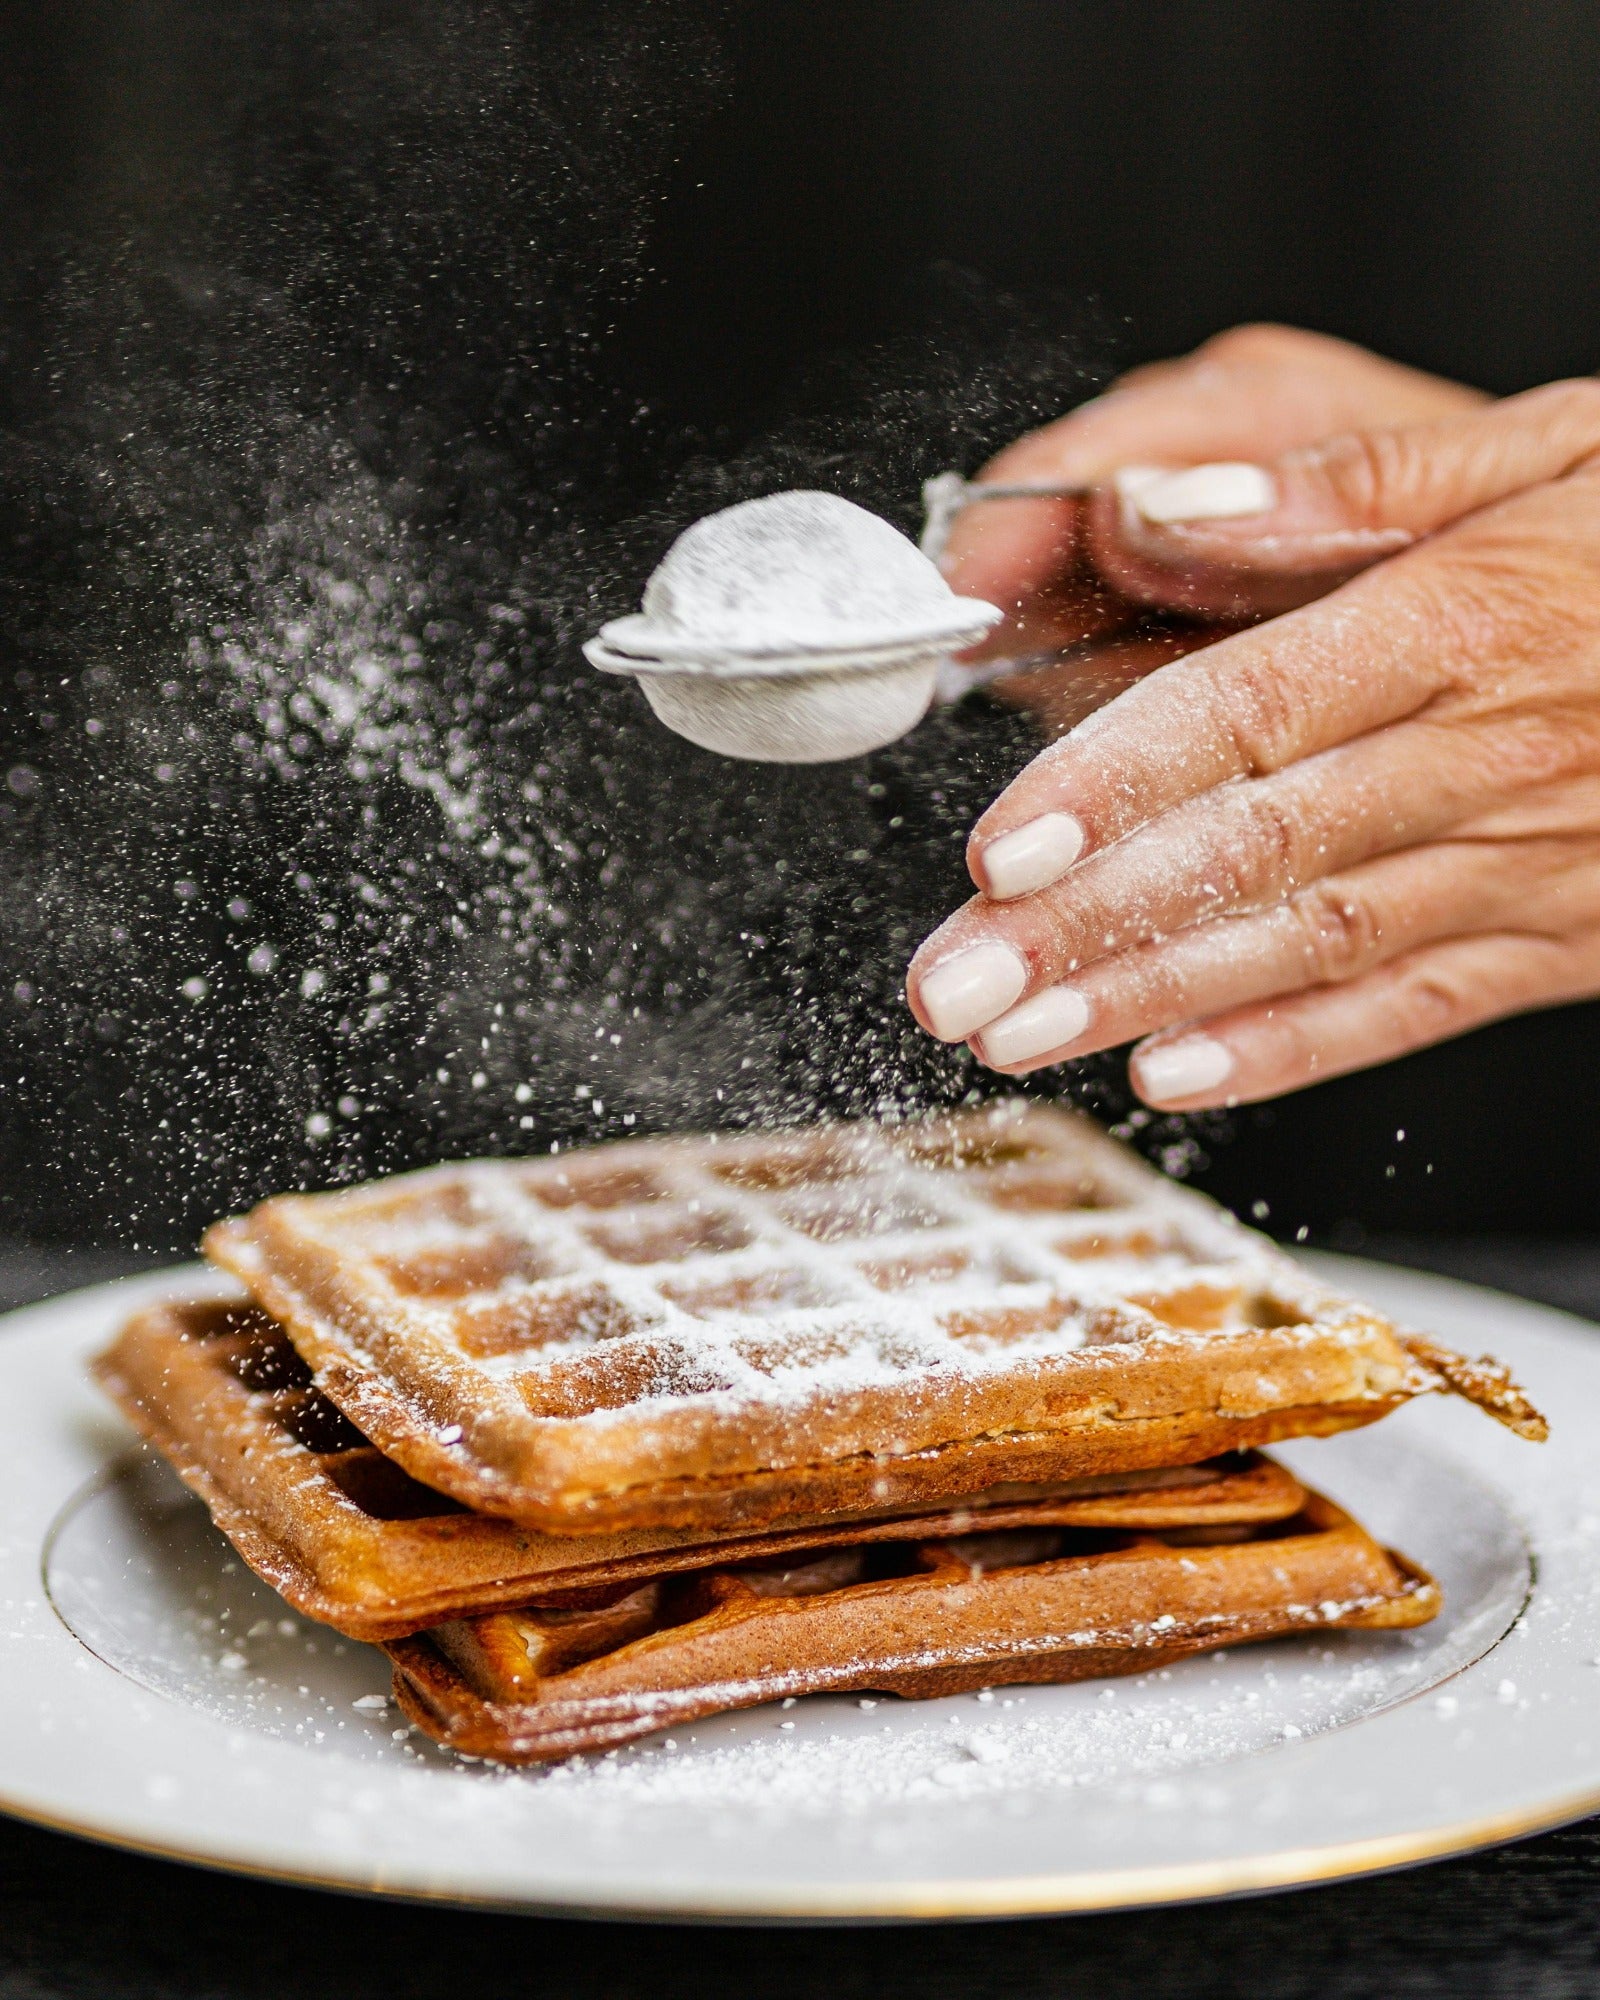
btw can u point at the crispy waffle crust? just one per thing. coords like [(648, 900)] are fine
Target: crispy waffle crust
[(349, 1538), (700, 1334), (908, 1618)]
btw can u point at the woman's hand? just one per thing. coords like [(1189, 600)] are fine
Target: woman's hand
[(1367, 825), (1250, 395)]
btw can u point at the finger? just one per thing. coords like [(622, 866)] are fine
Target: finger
[(1054, 617), (1235, 537), (1470, 755), (1328, 933), (1253, 392), (1428, 996), (1025, 557), (1237, 848), (1316, 383), (1538, 811), (1250, 704), (1061, 694)]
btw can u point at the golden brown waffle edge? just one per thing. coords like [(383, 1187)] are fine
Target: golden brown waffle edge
[(714, 1335), (990, 1610), (348, 1538)]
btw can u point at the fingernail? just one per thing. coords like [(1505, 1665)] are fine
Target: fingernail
[(966, 992), (1206, 493), (1132, 480), (1048, 1021), (1184, 1068), (1036, 854)]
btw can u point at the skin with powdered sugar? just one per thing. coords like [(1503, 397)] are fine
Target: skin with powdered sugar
[(1366, 822)]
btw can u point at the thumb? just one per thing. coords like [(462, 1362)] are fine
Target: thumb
[(1237, 538)]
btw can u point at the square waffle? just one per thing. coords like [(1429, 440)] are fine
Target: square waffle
[(909, 1618), (349, 1538), (701, 1333)]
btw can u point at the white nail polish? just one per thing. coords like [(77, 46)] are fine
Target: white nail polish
[(1184, 1068), (1207, 493), (1031, 857), (965, 993), (1131, 480), (1048, 1021)]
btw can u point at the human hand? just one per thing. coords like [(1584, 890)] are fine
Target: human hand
[(1251, 394), (1367, 825)]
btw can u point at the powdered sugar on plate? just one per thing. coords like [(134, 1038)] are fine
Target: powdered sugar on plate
[(146, 1583)]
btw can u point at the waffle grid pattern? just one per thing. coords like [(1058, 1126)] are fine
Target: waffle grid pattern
[(599, 1341), (349, 1538), (750, 1268)]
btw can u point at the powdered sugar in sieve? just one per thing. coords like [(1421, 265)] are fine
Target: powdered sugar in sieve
[(794, 629)]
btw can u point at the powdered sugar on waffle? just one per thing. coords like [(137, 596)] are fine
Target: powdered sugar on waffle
[(894, 1266), (617, 1332)]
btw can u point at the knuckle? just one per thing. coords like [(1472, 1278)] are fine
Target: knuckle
[(1536, 750), (1252, 711), (1473, 608), (1538, 747), (1058, 935), (1258, 340), (1273, 845), (1504, 600), (1341, 932), (1056, 927), (1250, 849), (1372, 474), (1573, 404), (1434, 1001)]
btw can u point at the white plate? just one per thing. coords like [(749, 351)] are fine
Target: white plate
[(157, 1696)]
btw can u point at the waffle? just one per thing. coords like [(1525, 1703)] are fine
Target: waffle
[(702, 1334), (349, 1538), (913, 1618)]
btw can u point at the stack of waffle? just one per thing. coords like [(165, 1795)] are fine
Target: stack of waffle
[(598, 1444)]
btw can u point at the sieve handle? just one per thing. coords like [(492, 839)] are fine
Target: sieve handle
[(947, 494)]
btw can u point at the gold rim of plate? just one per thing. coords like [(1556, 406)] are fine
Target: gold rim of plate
[(1075, 1894)]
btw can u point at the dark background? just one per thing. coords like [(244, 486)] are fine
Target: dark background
[(551, 280), (536, 284), (1424, 179)]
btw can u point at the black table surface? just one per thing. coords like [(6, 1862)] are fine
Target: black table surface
[(79, 1920)]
